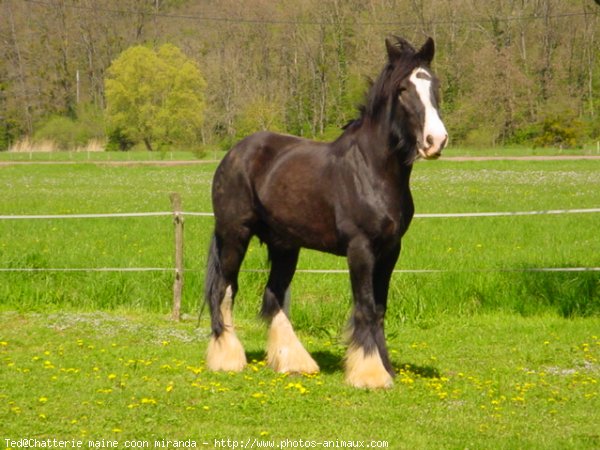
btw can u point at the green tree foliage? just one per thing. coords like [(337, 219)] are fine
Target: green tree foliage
[(155, 97), (507, 68), (259, 115)]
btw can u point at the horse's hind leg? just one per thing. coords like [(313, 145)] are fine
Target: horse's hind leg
[(285, 353), (225, 351)]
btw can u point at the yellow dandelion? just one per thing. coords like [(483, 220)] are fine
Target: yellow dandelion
[(298, 386), (206, 408), (117, 430), (194, 370), (43, 400)]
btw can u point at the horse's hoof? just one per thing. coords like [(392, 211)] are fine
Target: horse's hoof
[(366, 371), (225, 353), (285, 353)]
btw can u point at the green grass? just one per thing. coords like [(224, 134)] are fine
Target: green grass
[(589, 149), (492, 381), (209, 152), (484, 255), (212, 152), (489, 355)]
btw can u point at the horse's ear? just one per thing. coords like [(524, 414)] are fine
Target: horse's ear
[(392, 50), (398, 47), (427, 51)]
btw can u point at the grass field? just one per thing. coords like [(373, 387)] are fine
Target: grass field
[(490, 354), (490, 381)]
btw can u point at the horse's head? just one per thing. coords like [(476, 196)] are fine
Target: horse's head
[(414, 91)]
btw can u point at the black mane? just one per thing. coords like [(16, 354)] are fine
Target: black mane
[(403, 58), (402, 61)]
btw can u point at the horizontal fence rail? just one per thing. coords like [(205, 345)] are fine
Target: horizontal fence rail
[(209, 214), (87, 269), (307, 271), (178, 219)]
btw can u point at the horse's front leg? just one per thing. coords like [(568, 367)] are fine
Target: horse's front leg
[(365, 366), (285, 353), (384, 267)]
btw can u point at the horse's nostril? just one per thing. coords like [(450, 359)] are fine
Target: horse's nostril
[(444, 142), (429, 139)]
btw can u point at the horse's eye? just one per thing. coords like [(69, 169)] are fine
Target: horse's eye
[(401, 91)]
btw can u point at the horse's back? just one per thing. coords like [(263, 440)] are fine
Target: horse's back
[(280, 183)]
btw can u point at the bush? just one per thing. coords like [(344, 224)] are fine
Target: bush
[(118, 141), (59, 129), (69, 133), (560, 132)]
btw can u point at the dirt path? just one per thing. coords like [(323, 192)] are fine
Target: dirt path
[(521, 158)]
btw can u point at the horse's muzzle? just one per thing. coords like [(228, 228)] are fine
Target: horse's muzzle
[(435, 147)]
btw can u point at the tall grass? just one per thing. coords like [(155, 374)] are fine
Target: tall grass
[(486, 259)]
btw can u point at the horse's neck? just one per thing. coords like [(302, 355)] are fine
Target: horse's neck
[(378, 146)]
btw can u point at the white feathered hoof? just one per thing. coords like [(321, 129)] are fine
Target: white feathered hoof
[(225, 353), (285, 353), (366, 371)]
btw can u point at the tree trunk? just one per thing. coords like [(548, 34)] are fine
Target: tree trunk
[(148, 144)]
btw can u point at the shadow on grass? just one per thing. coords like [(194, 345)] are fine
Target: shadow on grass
[(570, 294), (329, 362), (419, 371), (332, 362)]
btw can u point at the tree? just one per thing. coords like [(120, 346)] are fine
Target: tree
[(156, 97)]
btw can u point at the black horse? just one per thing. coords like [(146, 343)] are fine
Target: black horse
[(350, 197)]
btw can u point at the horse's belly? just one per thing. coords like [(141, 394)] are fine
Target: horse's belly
[(294, 223), (298, 213)]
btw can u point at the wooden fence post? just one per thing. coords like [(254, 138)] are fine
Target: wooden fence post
[(178, 284)]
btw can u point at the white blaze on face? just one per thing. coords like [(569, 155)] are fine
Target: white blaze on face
[(434, 136)]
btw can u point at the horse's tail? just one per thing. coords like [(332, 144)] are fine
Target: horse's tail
[(214, 287)]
